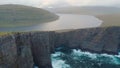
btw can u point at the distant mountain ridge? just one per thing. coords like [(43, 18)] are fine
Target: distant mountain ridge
[(89, 10)]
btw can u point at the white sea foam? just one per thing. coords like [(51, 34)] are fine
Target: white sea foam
[(35, 67), (58, 62), (80, 53), (113, 58)]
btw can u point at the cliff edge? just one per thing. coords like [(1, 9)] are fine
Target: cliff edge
[(24, 49)]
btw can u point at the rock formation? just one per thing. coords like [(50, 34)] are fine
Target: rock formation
[(22, 50), (15, 51), (24, 53), (41, 49), (100, 40)]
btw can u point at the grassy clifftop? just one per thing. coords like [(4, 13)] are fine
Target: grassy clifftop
[(19, 15), (5, 33)]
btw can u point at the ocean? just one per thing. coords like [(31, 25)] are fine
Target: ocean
[(80, 59)]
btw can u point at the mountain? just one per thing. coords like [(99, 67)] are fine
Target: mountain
[(20, 15)]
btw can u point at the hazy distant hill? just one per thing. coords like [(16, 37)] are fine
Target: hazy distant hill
[(110, 19), (109, 15), (19, 15), (89, 10)]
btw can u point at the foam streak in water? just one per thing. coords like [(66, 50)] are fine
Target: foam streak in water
[(79, 59), (57, 62)]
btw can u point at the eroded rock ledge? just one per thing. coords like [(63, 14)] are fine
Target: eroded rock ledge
[(23, 50)]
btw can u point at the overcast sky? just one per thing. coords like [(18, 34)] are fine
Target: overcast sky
[(59, 3)]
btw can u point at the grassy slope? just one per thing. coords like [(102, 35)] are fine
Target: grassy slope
[(19, 15)]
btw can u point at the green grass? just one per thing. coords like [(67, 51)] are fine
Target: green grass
[(5, 33), (19, 15)]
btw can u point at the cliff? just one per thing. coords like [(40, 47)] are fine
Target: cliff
[(41, 42), (15, 51), (22, 50), (100, 40)]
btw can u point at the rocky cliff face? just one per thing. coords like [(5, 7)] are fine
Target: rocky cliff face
[(22, 50), (8, 52), (24, 53), (15, 52), (100, 40), (41, 49)]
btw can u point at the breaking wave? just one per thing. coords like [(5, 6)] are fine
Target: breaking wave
[(79, 59)]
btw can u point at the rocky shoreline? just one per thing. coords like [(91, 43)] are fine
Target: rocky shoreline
[(23, 50)]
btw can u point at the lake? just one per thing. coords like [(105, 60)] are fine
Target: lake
[(66, 21)]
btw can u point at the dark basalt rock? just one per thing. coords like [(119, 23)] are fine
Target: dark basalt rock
[(100, 40), (24, 53), (41, 49), (8, 52), (15, 51), (22, 50)]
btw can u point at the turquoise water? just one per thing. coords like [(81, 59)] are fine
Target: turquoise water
[(79, 59)]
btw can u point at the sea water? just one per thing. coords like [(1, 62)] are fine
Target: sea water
[(80, 59)]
